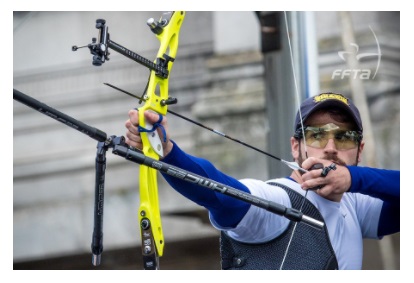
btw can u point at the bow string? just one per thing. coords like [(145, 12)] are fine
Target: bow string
[(315, 166)]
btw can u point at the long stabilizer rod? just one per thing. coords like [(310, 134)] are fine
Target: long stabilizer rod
[(94, 133), (290, 213)]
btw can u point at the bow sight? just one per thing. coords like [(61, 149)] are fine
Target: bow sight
[(100, 53)]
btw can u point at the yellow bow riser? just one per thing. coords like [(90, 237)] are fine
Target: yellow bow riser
[(149, 213)]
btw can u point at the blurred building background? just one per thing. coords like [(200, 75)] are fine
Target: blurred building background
[(226, 75)]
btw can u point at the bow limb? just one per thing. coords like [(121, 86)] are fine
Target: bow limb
[(157, 93)]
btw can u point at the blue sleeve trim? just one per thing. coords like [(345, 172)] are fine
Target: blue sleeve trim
[(385, 185)]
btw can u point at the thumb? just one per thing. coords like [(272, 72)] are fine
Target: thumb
[(151, 116)]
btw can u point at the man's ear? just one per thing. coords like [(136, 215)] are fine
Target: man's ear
[(294, 144), (360, 150)]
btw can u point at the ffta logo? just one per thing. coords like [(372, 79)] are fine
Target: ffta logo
[(363, 74)]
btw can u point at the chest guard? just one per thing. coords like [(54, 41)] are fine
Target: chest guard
[(310, 248)]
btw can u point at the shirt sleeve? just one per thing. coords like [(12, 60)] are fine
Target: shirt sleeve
[(380, 183), (225, 210), (384, 185)]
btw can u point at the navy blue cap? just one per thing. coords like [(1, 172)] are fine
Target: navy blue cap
[(328, 100)]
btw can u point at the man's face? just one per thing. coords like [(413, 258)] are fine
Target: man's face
[(330, 151)]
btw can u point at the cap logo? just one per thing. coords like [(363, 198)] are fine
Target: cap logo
[(325, 96)]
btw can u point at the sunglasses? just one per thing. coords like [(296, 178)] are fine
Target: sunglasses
[(319, 136)]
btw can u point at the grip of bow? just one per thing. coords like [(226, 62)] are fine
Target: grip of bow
[(167, 32)]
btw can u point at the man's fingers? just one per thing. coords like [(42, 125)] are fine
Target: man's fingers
[(150, 116), (153, 117), (133, 116), (313, 183), (309, 162), (133, 137), (133, 140), (130, 127), (312, 174)]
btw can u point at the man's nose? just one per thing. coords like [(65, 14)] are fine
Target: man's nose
[(330, 146)]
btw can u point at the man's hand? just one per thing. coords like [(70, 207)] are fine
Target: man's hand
[(333, 185), (133, 137)]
